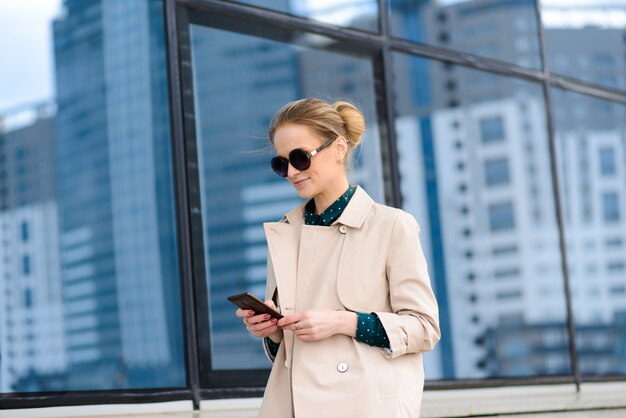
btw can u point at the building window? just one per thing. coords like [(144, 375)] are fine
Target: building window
[(604, 59), (28, 298), (24, 231), (613, 242), (607, 161), (610, 207), (501, 216), (509, 294), (20, 154), (618, 290), (619, 317), (497, 172), (615, 266), (507, 273), (492, 129), (26, 265), (509, 249)]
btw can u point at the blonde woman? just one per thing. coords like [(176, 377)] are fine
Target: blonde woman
[(349, 276)]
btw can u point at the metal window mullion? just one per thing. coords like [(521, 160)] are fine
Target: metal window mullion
[(389, 137), (558, 205), (587, 89), (182, 200), (244, 12)]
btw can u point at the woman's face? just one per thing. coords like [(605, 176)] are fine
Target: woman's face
[(324, 169)]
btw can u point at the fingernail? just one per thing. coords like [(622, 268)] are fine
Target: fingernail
[(274, 321), (250, 313), (266, 317)]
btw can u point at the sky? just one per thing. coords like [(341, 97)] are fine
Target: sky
[(26, 73)]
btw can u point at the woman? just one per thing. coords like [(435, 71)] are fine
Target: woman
[(350, 278)]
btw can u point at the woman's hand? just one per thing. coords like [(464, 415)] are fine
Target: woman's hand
[(261, 325), (318, 324)]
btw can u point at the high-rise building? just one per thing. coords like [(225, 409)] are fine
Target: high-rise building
[(115, 199)]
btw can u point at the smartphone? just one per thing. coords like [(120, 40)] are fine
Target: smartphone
[(249, 301)]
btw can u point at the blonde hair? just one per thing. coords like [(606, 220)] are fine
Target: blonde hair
[(325, 119)]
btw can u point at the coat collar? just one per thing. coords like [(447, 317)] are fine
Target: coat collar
[(353, 214)]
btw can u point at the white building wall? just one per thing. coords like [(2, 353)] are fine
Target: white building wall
[(506, 283), (31, 327)]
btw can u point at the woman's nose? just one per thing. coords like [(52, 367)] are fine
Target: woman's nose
[(291, 171)]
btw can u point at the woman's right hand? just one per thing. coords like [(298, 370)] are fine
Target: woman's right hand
[(261, 325)]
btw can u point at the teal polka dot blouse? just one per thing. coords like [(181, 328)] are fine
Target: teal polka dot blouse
[(369, 329)]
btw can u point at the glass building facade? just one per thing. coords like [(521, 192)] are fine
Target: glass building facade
[(133, 187)]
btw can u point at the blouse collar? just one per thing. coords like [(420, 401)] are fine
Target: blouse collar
[(353, 215), (329, 214)]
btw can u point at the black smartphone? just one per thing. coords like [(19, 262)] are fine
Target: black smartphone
[(249, 301)]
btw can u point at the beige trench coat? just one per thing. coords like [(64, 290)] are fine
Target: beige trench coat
[(369, 260)]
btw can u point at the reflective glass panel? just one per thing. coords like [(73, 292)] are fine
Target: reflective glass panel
[(240, 81), (586, 40), (501, 29), (89, 281), (475, 173), (591, 155)]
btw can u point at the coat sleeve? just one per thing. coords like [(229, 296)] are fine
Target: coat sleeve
[(413, 324)]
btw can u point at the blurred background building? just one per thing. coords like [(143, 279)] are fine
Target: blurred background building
[(467, 127)]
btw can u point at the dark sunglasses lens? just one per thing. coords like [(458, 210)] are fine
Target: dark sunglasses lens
[(279, 165), (299, 160)]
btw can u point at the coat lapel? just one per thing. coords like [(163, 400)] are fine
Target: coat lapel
[(283, 239), (283, 245), (356, 210)]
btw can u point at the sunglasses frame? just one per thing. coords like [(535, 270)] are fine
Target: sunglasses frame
[(308, 155)]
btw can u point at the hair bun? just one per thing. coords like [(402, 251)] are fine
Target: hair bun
[(353, 121)]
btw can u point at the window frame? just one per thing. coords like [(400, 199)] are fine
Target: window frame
[(204, 384)]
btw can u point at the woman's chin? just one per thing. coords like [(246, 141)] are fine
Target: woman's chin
[(304, 192)]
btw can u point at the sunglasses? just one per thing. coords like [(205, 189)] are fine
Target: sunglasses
[(298, 158)]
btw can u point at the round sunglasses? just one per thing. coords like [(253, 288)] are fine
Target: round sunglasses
[(298, 158)]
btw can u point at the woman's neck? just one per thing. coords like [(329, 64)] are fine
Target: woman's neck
[(326, 198)]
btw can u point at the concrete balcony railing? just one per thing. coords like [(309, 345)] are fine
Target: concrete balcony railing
[(595, 400)]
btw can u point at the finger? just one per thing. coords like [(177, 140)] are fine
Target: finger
[(303, 331), (244, 313), (262, 325), (258, 318), (297, 326), (290, 319), (266, 333), (305, 336)]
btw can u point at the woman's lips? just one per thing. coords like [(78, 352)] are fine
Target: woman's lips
[(299, 182)]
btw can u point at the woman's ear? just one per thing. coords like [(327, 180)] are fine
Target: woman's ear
[(342, 147)]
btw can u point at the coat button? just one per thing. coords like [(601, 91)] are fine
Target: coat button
[(286, 363), (342, 367), (343, 229)]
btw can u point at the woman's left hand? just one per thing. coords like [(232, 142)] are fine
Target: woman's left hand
[(319, 324)]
